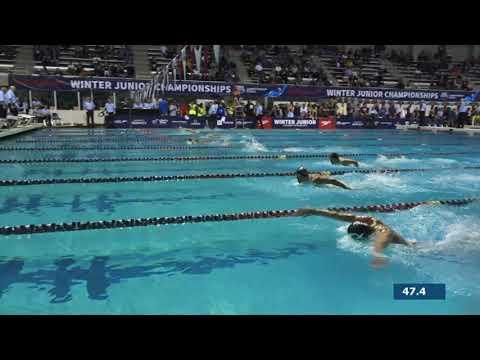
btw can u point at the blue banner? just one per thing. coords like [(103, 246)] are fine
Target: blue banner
[(100, 84), (153, 119), (217, 89), (347, 122)]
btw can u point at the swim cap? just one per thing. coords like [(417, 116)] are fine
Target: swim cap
[(334, 156), (302, 171), (360, 230)]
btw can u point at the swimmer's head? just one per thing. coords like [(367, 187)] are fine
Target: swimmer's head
[(359, 230), (302, 174), (334, 157)]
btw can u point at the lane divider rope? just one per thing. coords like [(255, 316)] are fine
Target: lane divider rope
[(147, 141), (126, 223), (106, 137), (119, 179), (193, 158)]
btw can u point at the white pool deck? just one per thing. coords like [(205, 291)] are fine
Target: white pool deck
[(18, 130), (465, 130)]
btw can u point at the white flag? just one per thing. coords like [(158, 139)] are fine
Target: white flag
[(216, 53), (198, 56), (174, 66), (184, 63)]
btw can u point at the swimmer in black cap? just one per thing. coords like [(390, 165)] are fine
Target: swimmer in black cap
[(364, 227), (336, 159), (321, 178), (192, 141)]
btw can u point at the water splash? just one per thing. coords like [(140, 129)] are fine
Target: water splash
[(391, 162), (387, 182), (252, 145)]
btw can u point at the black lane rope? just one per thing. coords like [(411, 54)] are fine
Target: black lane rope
[(119, 179), (152, 147), (126, 223), (193, 147), (191, 158)]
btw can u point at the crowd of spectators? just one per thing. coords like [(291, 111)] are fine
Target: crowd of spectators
[(423, 113), (437, 67), (285, 66), (209, 70), (175, 107), (7, 52), (351, 62), (99, 60)]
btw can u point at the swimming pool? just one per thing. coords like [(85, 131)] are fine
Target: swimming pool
[(287, 265)]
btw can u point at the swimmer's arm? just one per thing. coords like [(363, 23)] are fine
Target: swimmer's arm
[(349, 162), (332, 182), (381, 242), (327, 213)]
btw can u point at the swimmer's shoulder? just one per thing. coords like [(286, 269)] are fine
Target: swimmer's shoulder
[(315, 177)]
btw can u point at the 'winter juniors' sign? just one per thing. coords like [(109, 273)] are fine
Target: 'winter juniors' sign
[(295, 123), (60, 83), (378, 94)]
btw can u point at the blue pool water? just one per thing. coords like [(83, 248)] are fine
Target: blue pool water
[(266, 266)]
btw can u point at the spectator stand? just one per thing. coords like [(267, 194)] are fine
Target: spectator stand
[(159, 56), (436, 71), (84, 60), (358, 68), (282, 65), (8, 54)]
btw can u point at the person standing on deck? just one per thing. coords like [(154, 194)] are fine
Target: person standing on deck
[(89, 106)]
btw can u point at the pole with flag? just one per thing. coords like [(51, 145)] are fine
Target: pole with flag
[(184, 62)]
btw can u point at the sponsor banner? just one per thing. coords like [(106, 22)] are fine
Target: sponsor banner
[(277, 92), (385, 124), (377, 93), (346, 122), (153, 119), (294, 123), (75, 83), (395, 94), (265, 123), (246, 123), (226, 122), (147, 119), (326, 122)]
